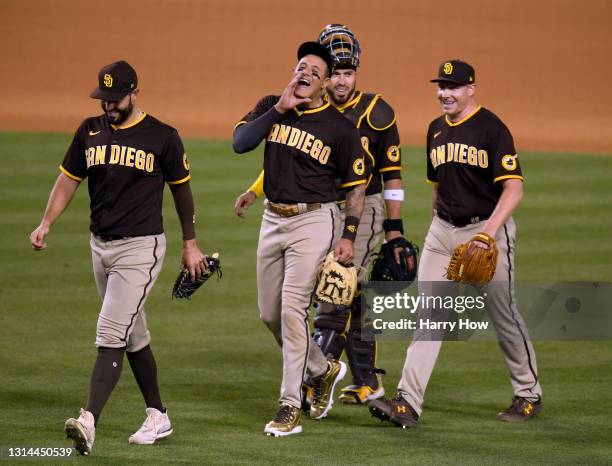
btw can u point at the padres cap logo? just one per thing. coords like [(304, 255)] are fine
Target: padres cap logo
[(108, 80), (185, 162), (365, 142), (359, 167), (509, 162), (448, 68), (393, 153)]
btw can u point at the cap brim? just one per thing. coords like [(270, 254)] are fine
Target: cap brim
[(452, 81), (104, 94)]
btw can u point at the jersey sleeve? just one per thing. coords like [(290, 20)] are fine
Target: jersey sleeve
[(261, 107), (174, 162), (74, 164), (257, 186), (432, 176), (390, 154), (350, 156), (505, 159)]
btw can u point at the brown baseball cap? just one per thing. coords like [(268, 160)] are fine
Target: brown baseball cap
[(115, 81), (314, 48), (456, 72)]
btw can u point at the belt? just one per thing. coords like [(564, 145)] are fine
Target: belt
[(104, 237), (462, 221), (291, 210)]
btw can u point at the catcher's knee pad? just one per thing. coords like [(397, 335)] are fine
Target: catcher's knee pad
[(330, 341), (330, 330)]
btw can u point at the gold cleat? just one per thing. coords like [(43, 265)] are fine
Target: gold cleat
[(355, 395), (323, 389), (286, 422), (307, 393)]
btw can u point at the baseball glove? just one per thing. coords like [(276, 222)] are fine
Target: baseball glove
[(183, 286), (473, 264), (337, 283), (385, 268)]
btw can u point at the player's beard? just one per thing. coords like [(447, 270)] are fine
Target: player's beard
[(339, 100), (122, 114)]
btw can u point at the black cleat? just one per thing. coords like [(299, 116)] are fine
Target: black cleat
[(520, 410), (396, 411)]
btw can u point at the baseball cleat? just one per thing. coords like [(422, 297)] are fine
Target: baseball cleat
[(81, 431), (286, 422), (157, 425), (357, 395), (323, 389), (396, 411), (520, 410), (307, 393)]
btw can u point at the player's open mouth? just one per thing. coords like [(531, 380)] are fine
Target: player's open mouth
[(304, 82)]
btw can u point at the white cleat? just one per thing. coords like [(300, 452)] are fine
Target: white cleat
[(81, 431), (156, 425)]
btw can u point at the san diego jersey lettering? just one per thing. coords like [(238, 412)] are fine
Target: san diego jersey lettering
[(126, 168), (468, 159)]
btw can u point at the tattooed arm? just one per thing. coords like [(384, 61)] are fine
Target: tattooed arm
[(353, 210)]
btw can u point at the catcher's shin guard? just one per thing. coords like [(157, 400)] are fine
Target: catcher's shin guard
[(361, 354), (331, 323)]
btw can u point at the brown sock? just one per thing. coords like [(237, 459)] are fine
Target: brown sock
[(144, 368), (104, 377)]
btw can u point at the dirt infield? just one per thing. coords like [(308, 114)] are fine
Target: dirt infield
[(540, 64)]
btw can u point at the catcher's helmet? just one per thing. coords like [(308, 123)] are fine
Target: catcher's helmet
[(342, 44)]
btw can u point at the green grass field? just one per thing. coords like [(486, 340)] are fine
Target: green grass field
[(219, 367)]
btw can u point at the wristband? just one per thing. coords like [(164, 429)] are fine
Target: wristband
[(350, 228), (393, 224)]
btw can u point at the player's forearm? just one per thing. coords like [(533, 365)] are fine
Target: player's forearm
[(353, 209), (248, 136), (509, 200), (394, 197), (62, 193), (355, 199), (183, 202), (257, 186)]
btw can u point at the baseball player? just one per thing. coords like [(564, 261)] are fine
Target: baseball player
[(309, 144), (340, 328), (126, 155), (477, 184)]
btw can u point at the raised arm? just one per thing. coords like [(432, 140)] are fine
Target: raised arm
[(248, 134)]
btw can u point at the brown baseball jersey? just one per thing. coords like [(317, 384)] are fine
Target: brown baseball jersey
[(468, 159), (126, 168), (375, 120), (306, 151)]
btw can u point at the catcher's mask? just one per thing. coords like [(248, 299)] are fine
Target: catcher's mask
[(342, 44)]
